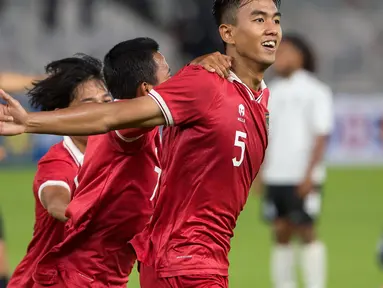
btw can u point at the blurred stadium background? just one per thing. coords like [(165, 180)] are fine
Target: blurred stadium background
[(348, 38)]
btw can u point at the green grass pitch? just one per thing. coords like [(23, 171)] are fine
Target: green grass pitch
[(351, 224)]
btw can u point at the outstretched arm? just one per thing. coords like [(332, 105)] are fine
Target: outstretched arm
[(141, 112), (184, 99), (87, 119), (13, 82), (93, 119)]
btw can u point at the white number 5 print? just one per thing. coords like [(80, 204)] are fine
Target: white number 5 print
[(238, 143)]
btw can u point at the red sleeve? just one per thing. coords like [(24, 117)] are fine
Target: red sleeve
[(186, 97), (54, 172)]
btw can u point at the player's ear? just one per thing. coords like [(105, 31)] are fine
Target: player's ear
[(227, 33), (144, 89)]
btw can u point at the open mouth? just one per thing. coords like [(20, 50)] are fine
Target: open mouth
[(271, 44)]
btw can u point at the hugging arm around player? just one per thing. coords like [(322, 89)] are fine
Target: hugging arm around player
[(91, 119), (140, 112)]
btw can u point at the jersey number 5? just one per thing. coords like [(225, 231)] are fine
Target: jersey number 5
[(239, 143)]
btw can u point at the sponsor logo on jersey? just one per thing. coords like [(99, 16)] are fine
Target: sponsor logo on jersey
[(241, 112)]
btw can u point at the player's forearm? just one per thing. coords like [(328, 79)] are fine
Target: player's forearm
[(12, 82), (317, 153), (91, 119), (57, 211), (74, 121)]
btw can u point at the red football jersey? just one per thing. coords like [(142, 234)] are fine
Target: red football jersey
[(209, 161), (57, 168), (111, 204)]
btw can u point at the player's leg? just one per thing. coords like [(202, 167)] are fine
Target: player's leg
[(4, 270), (282, 254), (313, 251)]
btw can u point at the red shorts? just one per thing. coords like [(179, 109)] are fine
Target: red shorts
[(149, 279)]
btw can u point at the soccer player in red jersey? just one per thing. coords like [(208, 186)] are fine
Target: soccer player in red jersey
[(212, 150), (117, 182), (71, 81)]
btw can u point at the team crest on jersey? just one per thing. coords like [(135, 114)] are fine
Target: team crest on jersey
[(241, 112)]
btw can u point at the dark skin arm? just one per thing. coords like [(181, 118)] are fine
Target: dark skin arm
[(316, 156), (55, 199), (89, 119), (306, 185), (141, 112), (215, 62), (13, 82)]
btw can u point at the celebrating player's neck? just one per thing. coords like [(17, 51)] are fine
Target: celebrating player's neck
[(250, 72)]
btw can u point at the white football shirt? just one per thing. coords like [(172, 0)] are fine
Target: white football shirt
[(300, 108)]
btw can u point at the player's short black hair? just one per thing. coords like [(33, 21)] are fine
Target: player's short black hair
[(64, 76), (128, 65), (224, 11), (308, 55)]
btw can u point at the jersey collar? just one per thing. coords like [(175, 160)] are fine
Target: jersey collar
[(232, 77), (76, 154)]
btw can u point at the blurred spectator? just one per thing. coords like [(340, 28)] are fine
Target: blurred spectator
[(294, 172)]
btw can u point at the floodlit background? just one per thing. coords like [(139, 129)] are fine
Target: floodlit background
[(348, 38)]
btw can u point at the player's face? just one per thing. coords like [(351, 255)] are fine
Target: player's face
[(91, 91), (288, 59), (258, 33), (163, 70)]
